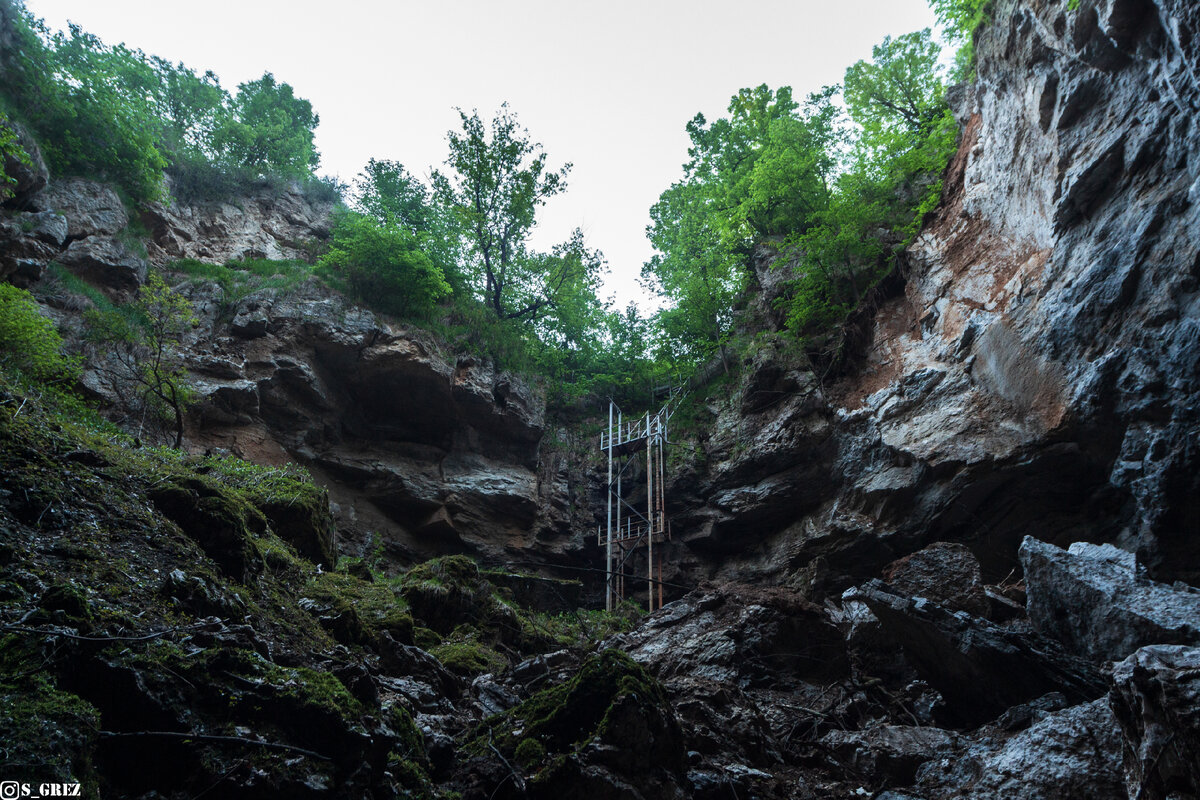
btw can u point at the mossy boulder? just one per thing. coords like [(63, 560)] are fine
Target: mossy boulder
[(612, 719), (63, 603), (446, 592), (47, 734), (302, 517), (466, 652), (218, 519), (357, 611)]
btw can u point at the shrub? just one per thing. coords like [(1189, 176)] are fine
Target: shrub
[(29, 341), (383, 266), (143, 341)]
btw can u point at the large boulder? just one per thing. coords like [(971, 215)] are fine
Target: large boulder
[(1069, 755), (891, 753), (1156, 697), (741, 635), (979, 667), (609, 732), (91, 209), (105, 262), (945, 572), (1094, 599)]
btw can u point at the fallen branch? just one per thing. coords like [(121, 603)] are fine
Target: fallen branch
[(205, 737), (77, 637), (516, 776)]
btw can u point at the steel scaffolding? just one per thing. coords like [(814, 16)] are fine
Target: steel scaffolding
[(627, 528)]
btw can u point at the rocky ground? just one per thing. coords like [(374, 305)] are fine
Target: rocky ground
[(961, 562)]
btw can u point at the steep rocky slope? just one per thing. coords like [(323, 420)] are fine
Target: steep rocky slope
[(1037, 374), (962, 564), (426, 451)]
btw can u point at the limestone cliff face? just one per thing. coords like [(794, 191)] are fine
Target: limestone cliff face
[(1038, 373), (262, 224), (1032, 371), (425, 451), (1052, 308)]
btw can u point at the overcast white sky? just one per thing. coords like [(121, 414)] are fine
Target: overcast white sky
[(606, 85)]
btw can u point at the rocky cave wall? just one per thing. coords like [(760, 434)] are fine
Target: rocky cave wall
[(1033, 373), (1037, 374), (425, 451)]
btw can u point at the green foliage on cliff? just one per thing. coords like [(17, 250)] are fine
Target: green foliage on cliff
[(382, 265), (461, 241), (839, 191), (29, 342), (10, 151), (267, 128), (960, 19), (762, 171), (118, 114), (903, 137), (141, 356)]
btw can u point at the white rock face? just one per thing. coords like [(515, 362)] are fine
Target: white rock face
[(90, 208), (268, 224), (1156, 697), (1054, 294), (1070, 755), (1092, 599)]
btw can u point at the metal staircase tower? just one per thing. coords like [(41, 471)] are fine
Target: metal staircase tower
[(628, 529)]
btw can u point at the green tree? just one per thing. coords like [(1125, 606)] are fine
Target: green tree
[(29, 342), (840, 256), (765, 170), (694, 270), (86, 105), (383, 265), (904, 137), (190, 107), (141, 344), (570, 277), (499, 181), (269, 130), (960, 19), (908, 132), (899, 93), (390, 194)]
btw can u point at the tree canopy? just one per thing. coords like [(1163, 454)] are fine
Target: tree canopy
[(499, 179), (838, 192), (115, 113), (268, 129)]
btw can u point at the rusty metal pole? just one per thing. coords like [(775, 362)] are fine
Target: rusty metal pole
[(608, 566), (649, 515), (617, 500), (662, 504)]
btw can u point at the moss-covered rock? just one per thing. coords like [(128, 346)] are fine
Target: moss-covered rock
[(529, 753), (296, 508), (47, 734), (569, 715), (465, 652), (64, 602), (356, 611), (446, 592), (609, 724), (218, 519)]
